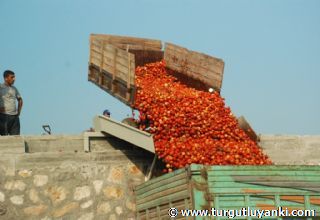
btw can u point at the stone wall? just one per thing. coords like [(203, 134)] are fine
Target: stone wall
[(292, 149), (55, 181), (51, 177)]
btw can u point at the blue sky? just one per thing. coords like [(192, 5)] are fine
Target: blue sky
[(271, 51)]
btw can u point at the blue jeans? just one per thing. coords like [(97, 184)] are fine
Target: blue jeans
[(9, 124)]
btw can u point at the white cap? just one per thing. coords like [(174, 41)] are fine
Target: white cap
[(211, 89)]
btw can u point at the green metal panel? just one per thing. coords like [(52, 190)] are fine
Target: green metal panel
[(155, 197), (200, 187), (264, 187), (161, 178), (199, 190)]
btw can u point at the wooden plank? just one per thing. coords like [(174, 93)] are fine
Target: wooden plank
[(194, 70), (179, 178), (195, 58), (118, 70), (245, 126), (101, 64), (94, 75), (293, 185), (215, 189), (96, 53), (180, 174), (120, 53), (248, 178), (275, 168), (95, 61), (95, 48), (118, 63), (109, 52), (133, 42), (143, 57), (241, 203), (263, 173), (198, 73), (163, 199), (196, 65), (129, 78), (109, 58), (179, 204), (197, 61), (95, 45), (116, 39)]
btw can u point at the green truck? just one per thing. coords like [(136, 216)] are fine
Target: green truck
[(226, 192)]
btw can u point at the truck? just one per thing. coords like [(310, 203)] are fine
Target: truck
[(216, 192), (197, 188)]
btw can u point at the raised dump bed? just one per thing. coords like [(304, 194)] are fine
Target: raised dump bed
[(113, 60), (200, 187)]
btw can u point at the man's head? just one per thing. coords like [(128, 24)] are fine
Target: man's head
[(106, 113), (9, 77)]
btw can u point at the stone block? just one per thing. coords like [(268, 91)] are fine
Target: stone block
[(2, 197), (34, 196), (113, 192), (8, 165), (17, 200), (35, 210), (86, 204), (15, 185), (81, 193), (97, 186), (40, 180), (116, 175), (65, 209), (103, 208), (57, 194), (25, 173), (87, 216), (130, 205)]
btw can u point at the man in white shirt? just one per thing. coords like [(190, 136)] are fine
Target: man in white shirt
[(9, 112)]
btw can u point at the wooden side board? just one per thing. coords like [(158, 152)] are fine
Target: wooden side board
[(198, 66), (113, 60), (245, 126), (127, 43)]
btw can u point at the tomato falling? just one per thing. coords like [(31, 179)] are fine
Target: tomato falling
[(190, 126)]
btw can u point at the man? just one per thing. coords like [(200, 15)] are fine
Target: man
[(106, 113), (9, 113), (130, 121)]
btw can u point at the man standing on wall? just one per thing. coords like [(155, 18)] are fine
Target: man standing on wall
[(9, 113)]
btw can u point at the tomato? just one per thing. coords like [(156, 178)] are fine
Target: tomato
[(189, 125)]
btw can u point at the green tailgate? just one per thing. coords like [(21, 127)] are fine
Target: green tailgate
[(259, 187)]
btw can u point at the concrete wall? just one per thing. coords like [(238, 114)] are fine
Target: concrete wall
[(292, 149), (58, 180)]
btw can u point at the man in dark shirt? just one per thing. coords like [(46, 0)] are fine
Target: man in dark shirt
[(9, 112)]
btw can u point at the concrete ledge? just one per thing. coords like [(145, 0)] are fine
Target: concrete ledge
[(54, 143), (86, 139), (12, 144), (282, 149)]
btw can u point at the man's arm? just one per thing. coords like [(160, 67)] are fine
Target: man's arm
[(20, 103)]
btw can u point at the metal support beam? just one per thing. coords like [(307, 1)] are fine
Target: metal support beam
[(125, 132)]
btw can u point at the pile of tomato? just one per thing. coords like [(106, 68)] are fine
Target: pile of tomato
[(189, 125)]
